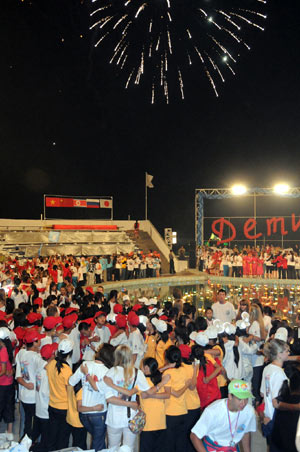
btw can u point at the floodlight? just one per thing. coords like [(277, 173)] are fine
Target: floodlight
[(238, 189), (281, 189)]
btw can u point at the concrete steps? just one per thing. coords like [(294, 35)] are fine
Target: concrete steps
[(146, 244)]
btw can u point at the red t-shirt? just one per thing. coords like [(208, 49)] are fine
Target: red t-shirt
[(208, 392), (4, 359)]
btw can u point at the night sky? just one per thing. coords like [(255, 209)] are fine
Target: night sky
[(68, 126)]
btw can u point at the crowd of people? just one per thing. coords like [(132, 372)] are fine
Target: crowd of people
[(268, 262), (79, 362), (80, 271)]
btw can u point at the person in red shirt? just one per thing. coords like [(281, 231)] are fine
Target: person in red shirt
[(207, 383), (67, 272)]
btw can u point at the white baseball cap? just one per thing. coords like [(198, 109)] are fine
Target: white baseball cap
[(4, 333), (201, 339), (65, 346), (241, 324), (281, 334), (143, 319), (219, 326), (211, 332), (160, 325), (229, 328), (143, 300), (245, 316), (111, 317)]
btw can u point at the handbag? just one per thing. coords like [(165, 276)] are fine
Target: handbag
[(137, 423)]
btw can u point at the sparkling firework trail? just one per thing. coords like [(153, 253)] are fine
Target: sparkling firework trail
[(164, 40)]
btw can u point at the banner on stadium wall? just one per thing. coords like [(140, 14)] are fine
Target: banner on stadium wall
[(273, 225)]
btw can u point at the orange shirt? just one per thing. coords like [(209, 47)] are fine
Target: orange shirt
[(72, 413), (161, 347), (58, 383), (151, 346), (191, 395), (155, 411), (175, 406), (219, 359)]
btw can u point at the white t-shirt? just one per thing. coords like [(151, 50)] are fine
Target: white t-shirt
[(267, 323), (46, 340), (224, 312), (27, 365), (90, 397), (272, 379), (239, 261), (214, 423), (117, 415), (119, 340), (42, 392), (21, 297), (137, 346), (237, 371), (74, 271), (257, 360), (130, 265), (103, 333), (75, 337)]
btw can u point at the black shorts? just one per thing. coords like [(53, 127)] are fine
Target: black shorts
[(269, 268), (7, 403)]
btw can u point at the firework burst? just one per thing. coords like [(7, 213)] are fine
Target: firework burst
[(164, 39)]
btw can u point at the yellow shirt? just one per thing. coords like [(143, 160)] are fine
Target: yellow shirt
[(191, 396), (161, 347), (72, 413), (151, 346), (220, 378), (58, 383), (155, 411), (175, 406)]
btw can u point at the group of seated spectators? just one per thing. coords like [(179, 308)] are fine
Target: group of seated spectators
[(268, 262), (76, 360)]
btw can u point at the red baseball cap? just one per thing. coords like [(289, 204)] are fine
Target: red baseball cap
[(163, 317), (69, 320), (33, 335), (118, 308), (33, 317), (38, 301), (185, 351), (99, 313), (19, 332), (136, 307), (121, 320), (133, 319), (90, 290), (89, 321), (70, 310), (48, 350), (51, 322)]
